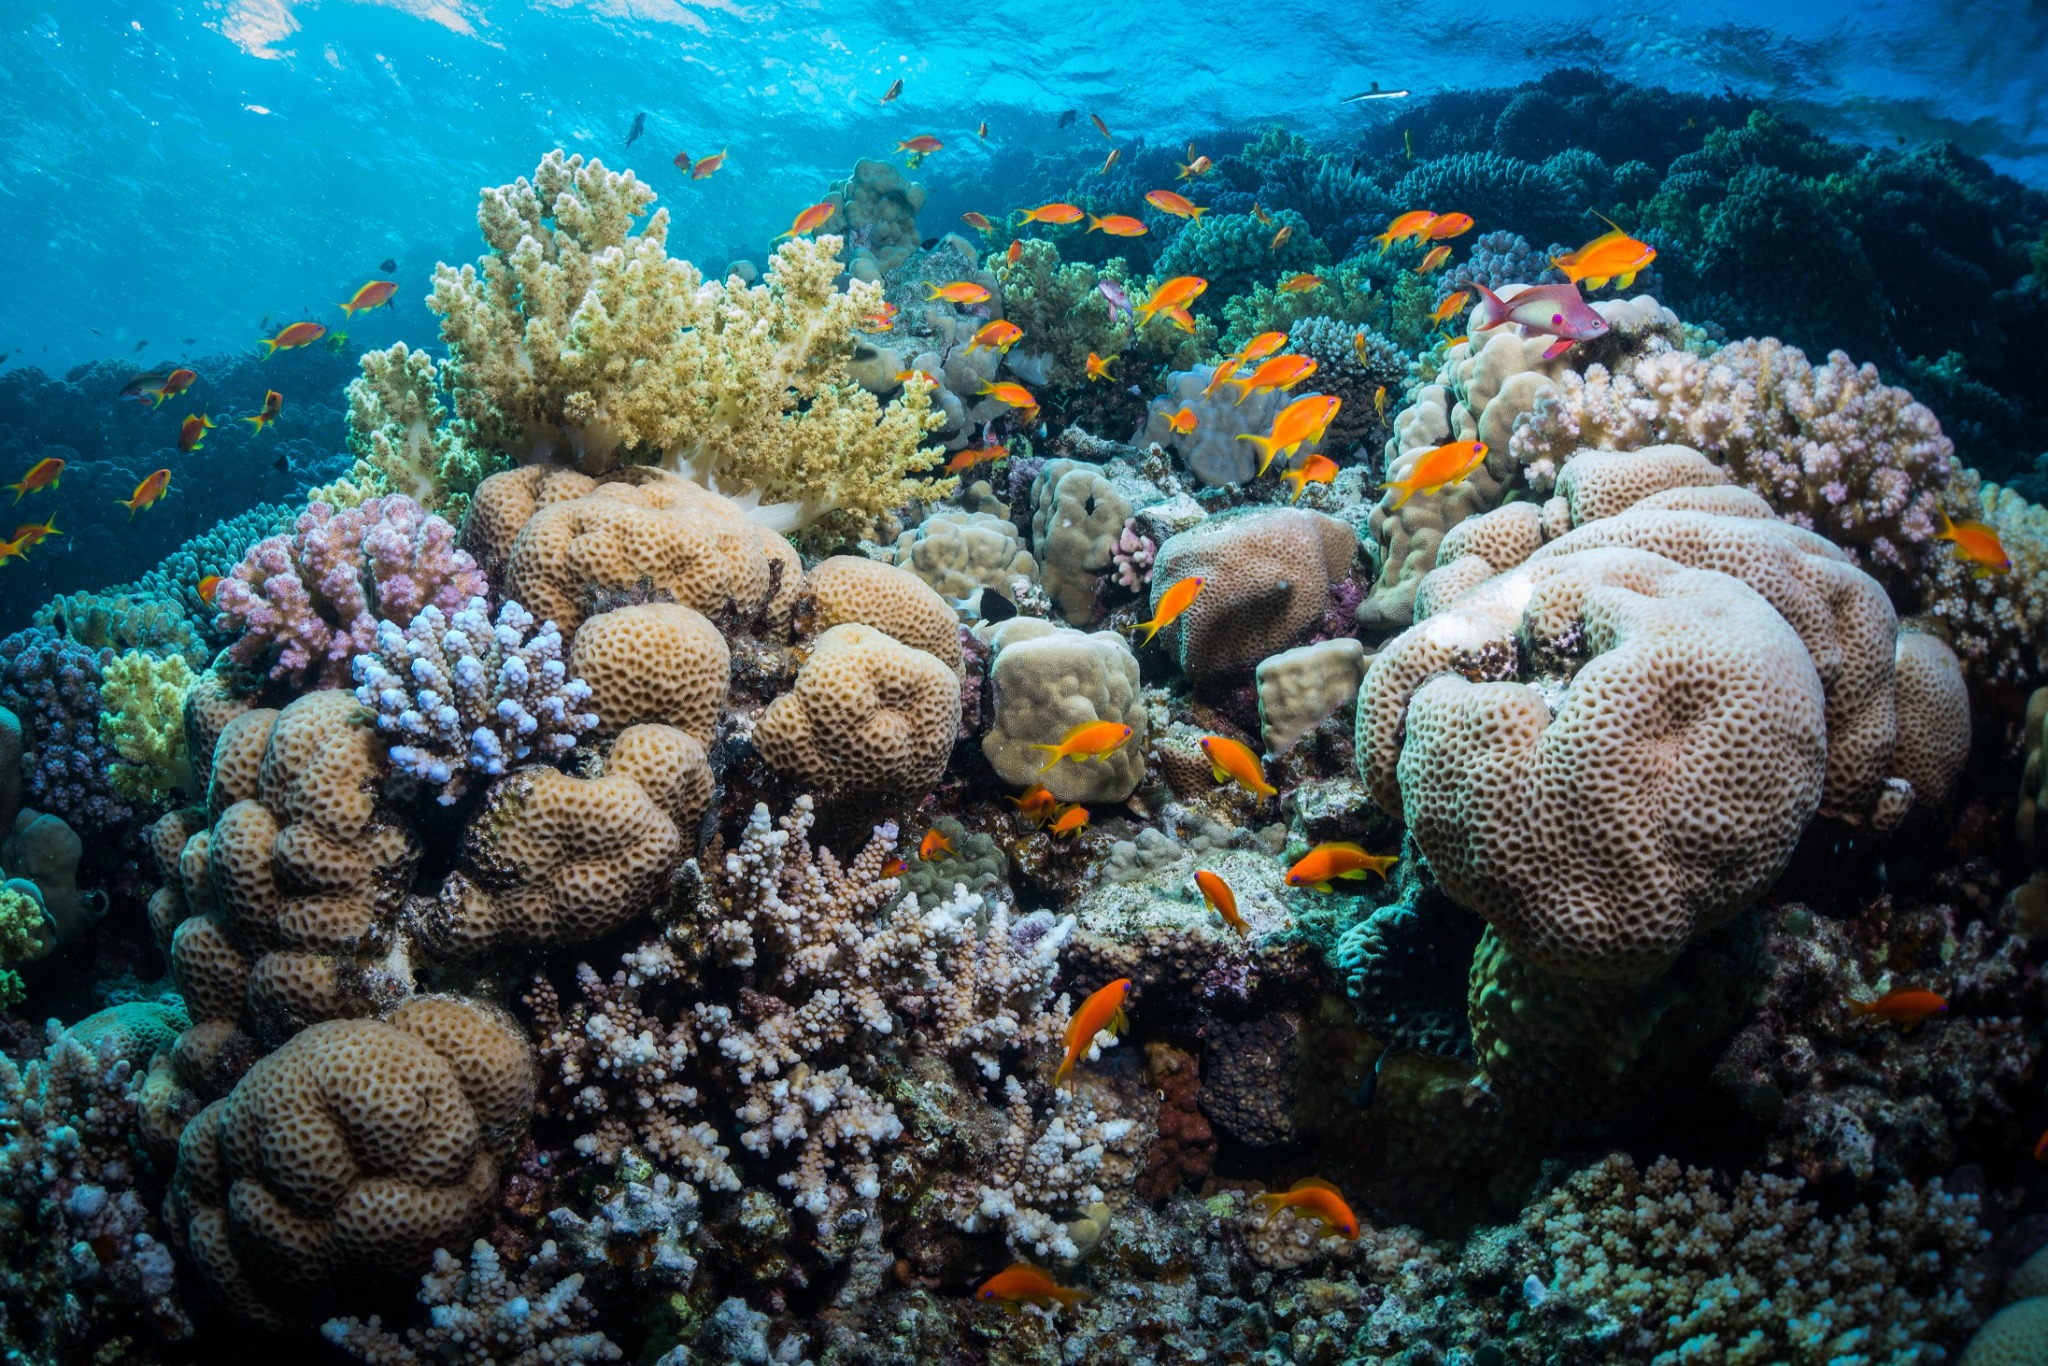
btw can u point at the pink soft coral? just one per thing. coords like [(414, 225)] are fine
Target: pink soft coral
[(308, 603)]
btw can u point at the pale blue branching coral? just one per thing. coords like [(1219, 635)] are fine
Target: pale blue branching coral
[(480, 1315), (464, 696)]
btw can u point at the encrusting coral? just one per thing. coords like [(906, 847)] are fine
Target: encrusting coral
[(582, 341)]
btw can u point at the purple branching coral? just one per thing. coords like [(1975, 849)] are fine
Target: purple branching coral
[(309, 602), (1498, 259), (79, 1267), (458, 695), (53, 685), (1133, 554)]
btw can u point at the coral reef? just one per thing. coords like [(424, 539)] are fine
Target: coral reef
[(1047, 681), (52, 685), (144, 723), (1266, 579), (477, 1315), (399, 434)]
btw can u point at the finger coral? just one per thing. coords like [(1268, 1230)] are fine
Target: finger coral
[(462, 695), (1999, 622), (307, 603), (580, 340)]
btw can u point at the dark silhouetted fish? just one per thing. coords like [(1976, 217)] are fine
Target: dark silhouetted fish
[(189, 341), (1370, 1086), (639, 127), (1375, 94), (996, 607), (144, 342), (388, 264), (281, 465), (94, 330), (930, 242), (1067, 119)]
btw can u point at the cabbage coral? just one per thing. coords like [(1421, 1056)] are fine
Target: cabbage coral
[(577, 339), (143, 719), (402, 441)]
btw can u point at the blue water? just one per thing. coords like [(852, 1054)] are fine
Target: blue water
[(187, 170)]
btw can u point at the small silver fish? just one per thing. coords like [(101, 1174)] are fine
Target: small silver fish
[(1119, 302)]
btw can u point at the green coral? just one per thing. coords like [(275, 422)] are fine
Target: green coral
[(1234, 251), (403, 442), (21, 935), (143, 719), (1383, 293)]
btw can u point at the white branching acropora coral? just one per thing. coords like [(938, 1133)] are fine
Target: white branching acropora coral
[(580, 340)]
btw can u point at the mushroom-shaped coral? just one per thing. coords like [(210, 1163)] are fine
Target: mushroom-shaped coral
[(343, 1159), (1048, 680), (464, 695), (1266, 578), (868, 715), (564, 537), (555, 859), (850, 588)]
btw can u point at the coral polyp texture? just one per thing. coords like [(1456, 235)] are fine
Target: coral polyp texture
[(634, 861)]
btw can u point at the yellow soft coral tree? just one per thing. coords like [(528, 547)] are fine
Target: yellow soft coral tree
[(143, 719), (578, 340), (402, 440)]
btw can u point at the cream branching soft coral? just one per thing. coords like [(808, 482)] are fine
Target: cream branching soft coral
[(581, 340), (800, 1000), (403, 442)]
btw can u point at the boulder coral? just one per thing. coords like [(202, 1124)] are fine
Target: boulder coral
[(579, 340), (1266, 578), (961, 553), (1048, 680), (1077, 515), (868, 715)]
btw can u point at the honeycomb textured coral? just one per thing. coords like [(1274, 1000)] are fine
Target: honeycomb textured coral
[(344, 1158), (2016, 1335), (1520, 805), (643, 530), (896, 602), (1301, 688), (655, 662), (1048, 680), (555, 859), (1266, 578), (867, 714)]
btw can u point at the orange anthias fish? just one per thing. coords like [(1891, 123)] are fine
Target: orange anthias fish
[(1172, 603), (894, 867), (881, 320), (1089, 740), (978, 221), (1450, 307), (928, 848), (1280, 237), (982, 131), (1000, 333), (1231, 762), (1179, 317), (273, 404), (1016, 395), (1118, 225), (1070, 821), (1182, 421), (1100, 126), (1023, 1283), (924, 144), (1976, 545), (41, 475), (975, 455), (208, 586), (1301, 284), (1016, 250), (375, 294), (1200, 166), (16, 549), (175, 383), (1114, 154), (1316, 1198), (1219, 377), (1265, 219), (1903, 1005), (1102, 1010), (1178, 292), (1262, 346), (2041, 1147), (147, 493), (1438, 469), (1404, 227), (297, 335), (192, 431), (1037, 804), (1379, 395), (1298, 424), (810, 220), (1222, 900), (32, 534), (1055, 212), (1436, 257), (1611, 256), (1319, 469), (1166, 201), (1443, 225), (958, 292), (1281, 372), (1098, 367), (1326, 863)]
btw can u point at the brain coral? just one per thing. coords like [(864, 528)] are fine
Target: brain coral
[(1599, 834), (896, 602), (342, 1160), (658, 661), (1266, 578), (868, 715), (1048, 680), (555, 859), (641, 528)]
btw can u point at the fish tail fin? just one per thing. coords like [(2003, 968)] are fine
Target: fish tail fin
[(1265, 445), (1491, 312), (20, 490), (1196, 211), (348, 310), (936, 291), (1057, 753), (1948, 526), (269, 348), (1093, 223), (1065, 1074), (1151, 629), (1298, 478), (1071, 1296), (1407, 492)]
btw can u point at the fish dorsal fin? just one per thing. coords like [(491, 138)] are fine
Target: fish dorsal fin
[(1349, 848), (1025, 1267), (1313, 1183)]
